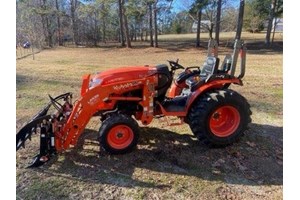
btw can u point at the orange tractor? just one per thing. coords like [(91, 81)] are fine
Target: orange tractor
[(197, 96)]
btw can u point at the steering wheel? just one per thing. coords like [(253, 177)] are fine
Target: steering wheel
[(174, 65)]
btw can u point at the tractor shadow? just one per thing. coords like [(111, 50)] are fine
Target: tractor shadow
[(255, 160)]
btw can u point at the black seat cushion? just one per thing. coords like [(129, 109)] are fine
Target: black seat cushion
[(183, 76)]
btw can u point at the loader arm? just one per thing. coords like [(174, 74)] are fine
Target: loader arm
[(62, 129), (100, 99)]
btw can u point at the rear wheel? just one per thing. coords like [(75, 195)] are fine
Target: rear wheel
[(118, 134), (219, 117)]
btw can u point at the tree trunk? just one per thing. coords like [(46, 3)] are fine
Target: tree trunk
[(74, 21), (95, 31), (126, 30), (218, 19), (142, 33), (155, 25), (270, 23), (104, 31), (146, 35), (141, 24), (199, 14), (43, 19), (32, 50), (132, 33), (50, 41), (103, 25), (274, 30), (211, 30), (150, 25), (48, 27), (121, 24), (135, 30), (128, 42), (240, 20), (60, 41)]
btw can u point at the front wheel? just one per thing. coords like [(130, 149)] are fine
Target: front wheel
[(118, 134), (219, 117)]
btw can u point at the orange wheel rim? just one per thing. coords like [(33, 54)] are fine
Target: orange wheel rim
[(224, 121), (120, 137)]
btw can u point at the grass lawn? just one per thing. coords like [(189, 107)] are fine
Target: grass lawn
[(169, 163)]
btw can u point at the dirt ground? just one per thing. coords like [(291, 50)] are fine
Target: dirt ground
[(168, 163)]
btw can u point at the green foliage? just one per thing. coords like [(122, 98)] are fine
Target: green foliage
[(177, 28), (255, 15), (199, 5), (181, 23), (28, 23), (279, 8), (136, 8), (228, 20), (98, 20), (257, 12)]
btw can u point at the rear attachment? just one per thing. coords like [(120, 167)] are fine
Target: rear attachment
[(46, 126)]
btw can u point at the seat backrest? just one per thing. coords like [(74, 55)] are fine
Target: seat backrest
[(210, 66), (226, 65)]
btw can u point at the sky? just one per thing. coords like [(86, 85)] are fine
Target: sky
[(181, 5)]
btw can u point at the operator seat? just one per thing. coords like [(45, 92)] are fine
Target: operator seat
[(210, 67)]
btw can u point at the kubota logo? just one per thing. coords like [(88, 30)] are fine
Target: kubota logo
[(126, 85), (93, 100)]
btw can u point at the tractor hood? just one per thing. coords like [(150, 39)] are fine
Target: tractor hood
[(114, 76)]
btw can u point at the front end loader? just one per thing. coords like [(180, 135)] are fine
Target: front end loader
[(198, 96)]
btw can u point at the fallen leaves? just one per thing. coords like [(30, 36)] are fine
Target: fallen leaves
[(227, 193), (251, 144)]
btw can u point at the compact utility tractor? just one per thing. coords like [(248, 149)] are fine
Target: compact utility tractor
[(198, 96)]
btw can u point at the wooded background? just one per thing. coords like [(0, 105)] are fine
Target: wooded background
[(49, 23)]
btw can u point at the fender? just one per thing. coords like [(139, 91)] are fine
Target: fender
[(215, 84), (175, 89), (179, 83)]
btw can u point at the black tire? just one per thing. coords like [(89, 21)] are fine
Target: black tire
[(220, 117), (118, 134)]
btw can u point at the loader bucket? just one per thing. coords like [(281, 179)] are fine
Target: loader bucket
[(41, 124), (30, 128)]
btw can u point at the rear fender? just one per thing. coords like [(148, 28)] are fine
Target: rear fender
[(215, 84), (175, 90), (179, 82)]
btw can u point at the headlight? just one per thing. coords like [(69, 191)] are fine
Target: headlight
[(94, 82)]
